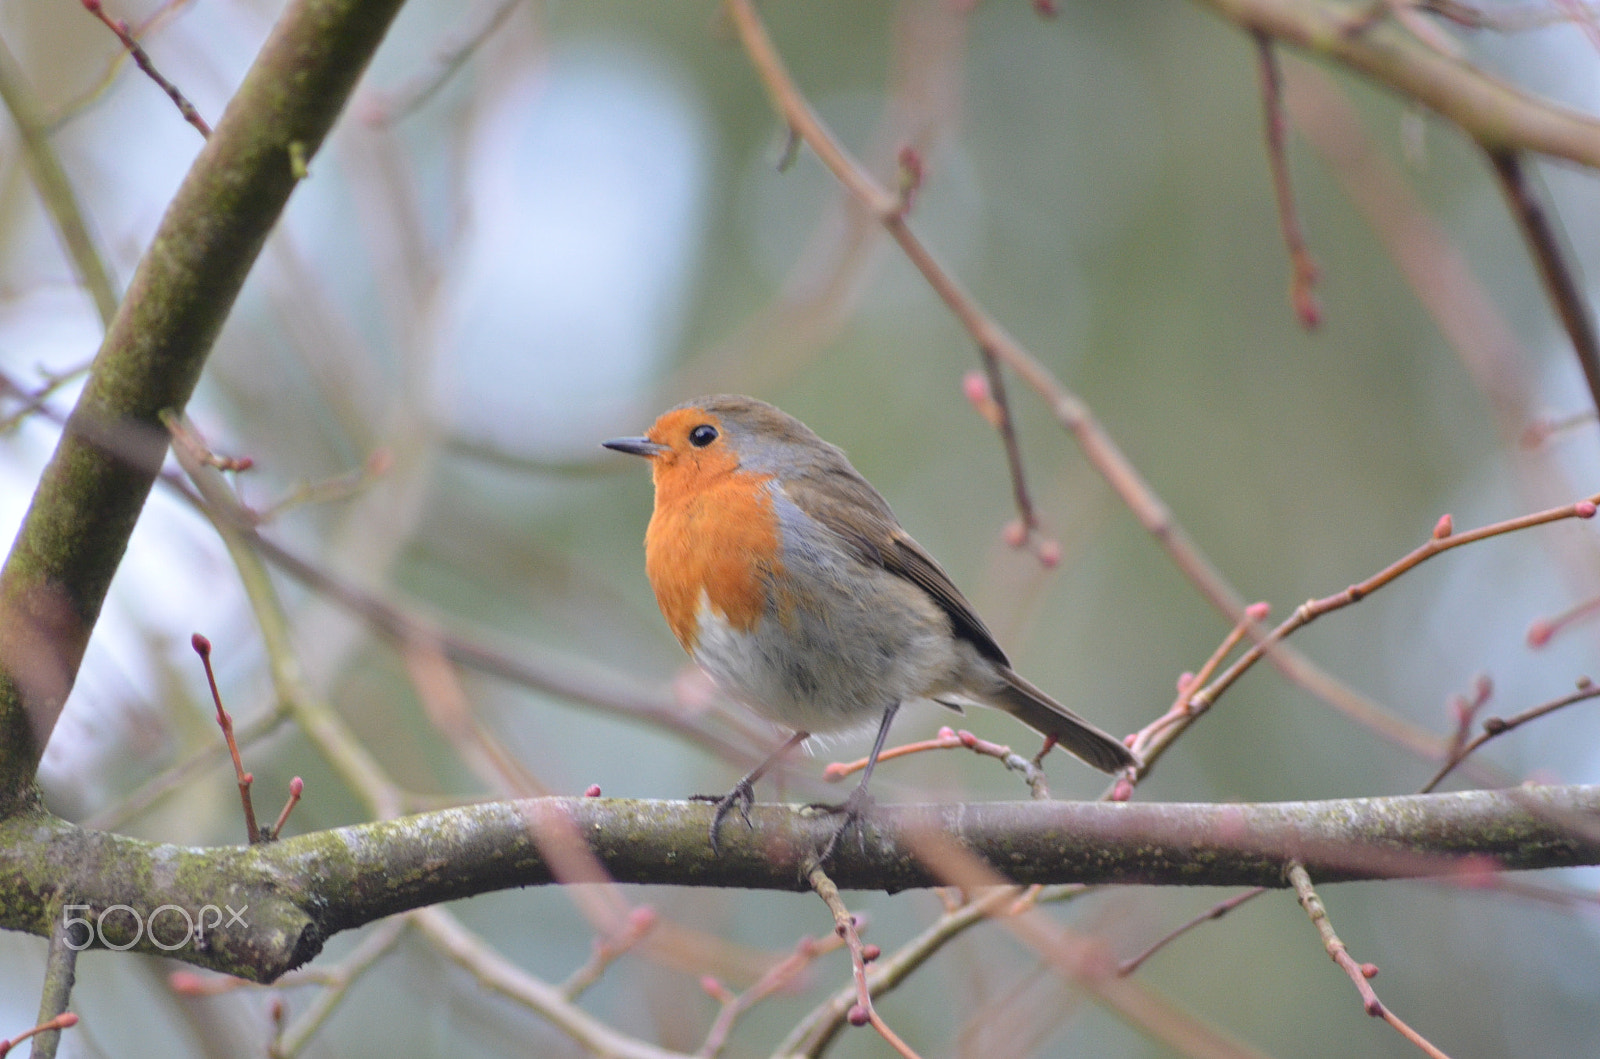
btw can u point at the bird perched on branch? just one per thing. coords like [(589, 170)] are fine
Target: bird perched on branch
[(787, 578)]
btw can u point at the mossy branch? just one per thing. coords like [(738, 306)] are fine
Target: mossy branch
[(290, 896)]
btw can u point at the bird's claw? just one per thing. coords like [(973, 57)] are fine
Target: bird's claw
[(853, 810), (741, 797)]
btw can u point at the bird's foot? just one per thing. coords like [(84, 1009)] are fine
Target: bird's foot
[(852, 811), (741, 797)]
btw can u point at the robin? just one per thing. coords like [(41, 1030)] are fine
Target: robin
[(787, 578)]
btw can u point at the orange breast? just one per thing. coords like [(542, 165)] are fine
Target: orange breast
[(711, 534)]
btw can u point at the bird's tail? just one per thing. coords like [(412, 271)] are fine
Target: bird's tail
[(1045, 715)]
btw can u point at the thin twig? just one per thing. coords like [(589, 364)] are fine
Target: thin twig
[(778, 977), (1303, 269), (337, 980), (1544, 630), (1558, 268), (60, 975), (1544, 428), (607, 949), (49, 1030), (950, 739), (55, 190), (844, 924), (1497, 726), (451, 54), (499, 975), (1359, 973), (1443, 539), (1027, 527), (813, 1033), (202, 647), (159, 786), (297, 787), (140, 56), (1216, 911), (1507, 18), (1188, 683)]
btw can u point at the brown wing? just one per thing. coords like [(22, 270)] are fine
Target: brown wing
[(850, 507)]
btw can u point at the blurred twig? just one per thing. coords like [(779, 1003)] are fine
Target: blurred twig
[(383, 108), (336, 982), (55, 189), (1302, 268)]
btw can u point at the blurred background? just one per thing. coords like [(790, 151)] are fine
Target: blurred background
[(492, 270)]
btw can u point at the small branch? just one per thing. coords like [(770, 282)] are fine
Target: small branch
[(812, 1034), (140, 56), (1216, 911), (337, 980), (1303, 268), (1544, 630), (499, 975), (1008, 437), (297, 786), (1485, 108), (1506, 18), (202, 647), (50, 180), (1359, 973), (863, 1012), (60, 974), (45, 1031), (607, 950), (385, 108), (950, 739), (1545, 427), (1496, 726), (191, 768), (1145, 741), (1027, 528), (1558, 269), (780, 976), (1444, 538)]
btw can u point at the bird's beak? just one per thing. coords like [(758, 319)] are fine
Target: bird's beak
[(635, 446)]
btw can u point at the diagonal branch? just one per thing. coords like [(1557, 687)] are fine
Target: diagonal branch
[(1557, 265), (86, 505)]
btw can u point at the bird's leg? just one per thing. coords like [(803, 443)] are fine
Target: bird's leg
[(859, 803), (743, 794)]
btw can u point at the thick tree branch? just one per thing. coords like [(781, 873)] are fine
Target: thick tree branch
[(290, 896), (84, 510)]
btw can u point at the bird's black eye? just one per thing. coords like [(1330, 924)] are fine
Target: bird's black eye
[(702, 435)]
